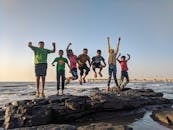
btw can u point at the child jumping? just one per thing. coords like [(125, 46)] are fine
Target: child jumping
[(73, 64), (40, 61), (60, 70), (96, 63), (124, 69), (81, 60), (112, 54)]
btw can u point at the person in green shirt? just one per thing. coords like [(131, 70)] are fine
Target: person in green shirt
[(40, 61), (60, 70)]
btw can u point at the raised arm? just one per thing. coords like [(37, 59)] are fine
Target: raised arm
[(68, 48), (118, 45), (109, 47), (54, 48), (128, 57), (118, 57), (31, 46), (89, 62), (104, 63)]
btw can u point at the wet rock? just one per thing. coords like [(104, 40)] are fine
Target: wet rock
[(164, 116), (69, 108), (104, 126), (2, 113), (50, 127)]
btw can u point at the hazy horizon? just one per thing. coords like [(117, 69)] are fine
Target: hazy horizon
[(144, 26)]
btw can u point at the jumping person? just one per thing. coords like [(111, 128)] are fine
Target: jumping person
[(124, 69), (96, 63), (40, 61), (112, 54), (60, 70), (81, 60), (73, 64)]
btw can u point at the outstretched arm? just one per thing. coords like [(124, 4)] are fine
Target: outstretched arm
[(117, 47), (54, 48), (128, 57), (118, 57), (109, 47), (53, 63), (104, 63)]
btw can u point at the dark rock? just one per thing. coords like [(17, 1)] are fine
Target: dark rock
[(2, 113), (69, 108), (104, 126), (164, 116), (50, 127)]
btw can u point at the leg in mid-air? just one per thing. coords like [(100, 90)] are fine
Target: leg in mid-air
[(73, 77), (86, 73), (81, 74), (124, 83), (94, 69), (100, 71)]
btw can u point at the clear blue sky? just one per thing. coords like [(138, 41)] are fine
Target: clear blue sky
[(145, 26)]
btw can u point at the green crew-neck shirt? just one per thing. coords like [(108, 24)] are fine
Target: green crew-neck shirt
[(60, 63), (40, 55)]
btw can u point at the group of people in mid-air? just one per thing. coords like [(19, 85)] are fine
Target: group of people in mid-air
[(80, 62)]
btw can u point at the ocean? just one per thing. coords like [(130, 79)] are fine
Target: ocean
[(10, 91)]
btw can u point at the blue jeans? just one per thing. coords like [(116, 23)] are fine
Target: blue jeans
[(74, 73), (112, 70)]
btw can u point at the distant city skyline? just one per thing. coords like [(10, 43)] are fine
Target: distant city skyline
[(145, 28)]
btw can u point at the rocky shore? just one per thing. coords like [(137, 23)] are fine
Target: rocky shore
[(69, 109)]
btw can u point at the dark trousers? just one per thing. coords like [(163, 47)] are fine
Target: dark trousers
[(124, 74), (112, 70), (82, 68), (60, 77)]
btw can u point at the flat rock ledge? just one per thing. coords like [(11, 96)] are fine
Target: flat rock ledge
[(69, 108), (93, 126)]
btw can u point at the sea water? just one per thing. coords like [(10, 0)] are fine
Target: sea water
[(10, 91)]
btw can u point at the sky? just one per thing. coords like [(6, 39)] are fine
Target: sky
[(145, 27)]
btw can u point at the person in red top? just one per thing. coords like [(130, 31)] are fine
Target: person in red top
[(124, 69)]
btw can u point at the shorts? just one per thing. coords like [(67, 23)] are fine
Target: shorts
[(40, 69), (96, 65)]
